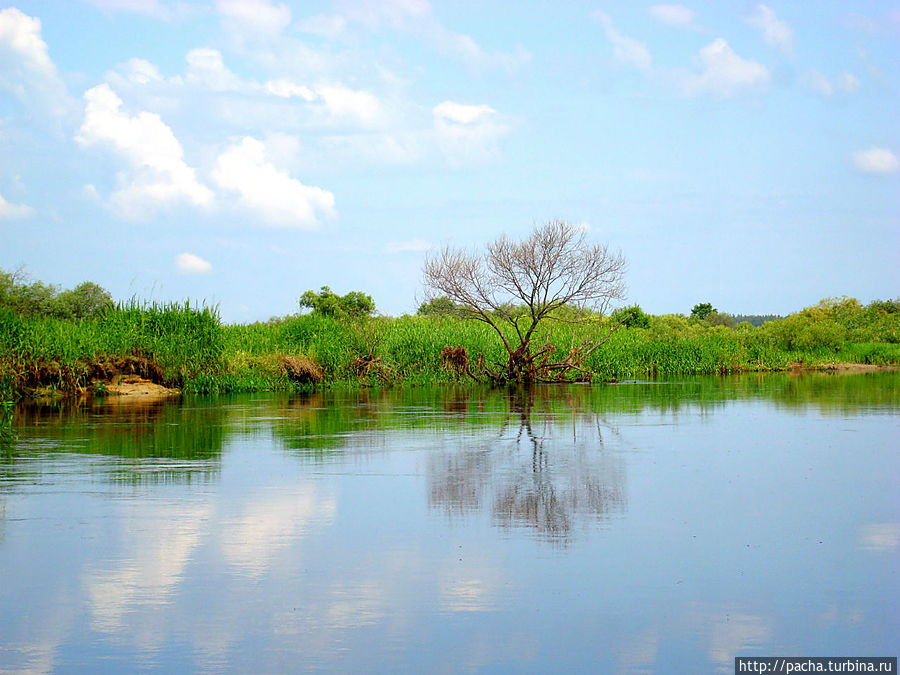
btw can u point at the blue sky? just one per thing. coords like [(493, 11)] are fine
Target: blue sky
[(244, 151)]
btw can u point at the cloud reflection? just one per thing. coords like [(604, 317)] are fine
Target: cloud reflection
[(271, 522), (163, 538), (880, 537)]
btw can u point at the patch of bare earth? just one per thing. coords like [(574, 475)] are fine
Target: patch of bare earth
[(138, 387), (843, 368)]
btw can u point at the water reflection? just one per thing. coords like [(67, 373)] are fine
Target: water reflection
[(531, 477), (143, 443), (629, 528)]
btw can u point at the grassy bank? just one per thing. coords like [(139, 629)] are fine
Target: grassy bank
[(186, 346)]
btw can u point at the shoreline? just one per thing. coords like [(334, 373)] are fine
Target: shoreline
[(131, 388)]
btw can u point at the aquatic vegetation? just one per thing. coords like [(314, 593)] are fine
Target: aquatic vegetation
[(187, 346)]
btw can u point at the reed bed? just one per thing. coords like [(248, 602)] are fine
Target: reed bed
[(187, 346)]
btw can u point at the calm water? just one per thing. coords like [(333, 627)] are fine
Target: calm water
[(640, 527)]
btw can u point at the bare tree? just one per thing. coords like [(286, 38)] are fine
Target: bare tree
[(515, 286)]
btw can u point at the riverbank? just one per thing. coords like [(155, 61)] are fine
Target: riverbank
[(188, 348)]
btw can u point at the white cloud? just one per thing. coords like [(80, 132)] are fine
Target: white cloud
[(416, 17), (276, 197), (462, 113), (725, 74), (188, 263), (411, 245), (289, 89), (345, 104), (261, 17), (845, 83), (141, 71), (26, 69), (467, 133), (674, 15), (876, 160), (326, 25), (158, 175), (152, 8), (880, 537), (626, 50), (206, 67), (334, 103), (776, 32), (470, 52), (13, 211)]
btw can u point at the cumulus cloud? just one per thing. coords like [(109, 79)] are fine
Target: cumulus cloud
[(467, 133), (725, 74), (674, 15), (333, 103), (188, 263), (141, 71), (13, 211), (776, 32), (26, 69), (845, 83), (626, 50), (157, 174), (272, 194), (876, 160)]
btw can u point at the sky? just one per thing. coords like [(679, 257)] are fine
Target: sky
[(241, 152)]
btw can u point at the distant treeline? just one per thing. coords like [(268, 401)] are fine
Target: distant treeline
[(755, 319)]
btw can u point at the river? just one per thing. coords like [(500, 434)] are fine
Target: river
[(636, 527)]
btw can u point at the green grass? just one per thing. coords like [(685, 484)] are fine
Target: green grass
[(187, 346)]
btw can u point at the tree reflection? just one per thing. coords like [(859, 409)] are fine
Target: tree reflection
[(536, 473)]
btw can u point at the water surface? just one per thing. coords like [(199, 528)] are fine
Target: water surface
[(641, 527)]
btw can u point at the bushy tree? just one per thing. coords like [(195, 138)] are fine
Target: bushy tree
[(86, 299), (35, 298), (702, 309), (354, 304), (716, 318), (436, 306), (631, 317)]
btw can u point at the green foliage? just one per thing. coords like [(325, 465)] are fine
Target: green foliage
[(354, 304), (7, 410), (192, 349), (702, 310), (755, 320), (631, 317), (436, 306), (86, 299), (717, 318), (40, 299), (885, 306)]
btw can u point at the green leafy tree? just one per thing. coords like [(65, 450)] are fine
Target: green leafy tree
[(716, 318), (39, 299), (86, 299), (702, 309), (631, 317), (436, 306), (354, 304)]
